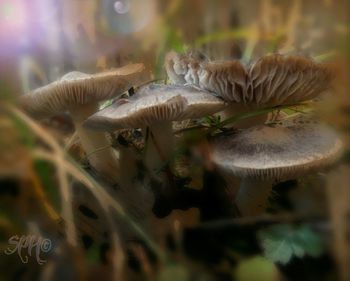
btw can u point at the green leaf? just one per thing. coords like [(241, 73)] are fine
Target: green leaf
[(26, 136), (278, 249), (211, 121), (93, 254), (282, 242), (45, 171), (173, 272), (310, 241)]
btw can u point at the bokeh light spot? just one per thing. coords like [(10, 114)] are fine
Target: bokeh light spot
[(7, 11), (12, 17), (122, 7)]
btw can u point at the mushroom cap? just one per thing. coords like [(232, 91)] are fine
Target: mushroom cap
[(272, 80), (277, 152), (226, 79), (277, 80), (180, 66), (77, 88), (156, 103)]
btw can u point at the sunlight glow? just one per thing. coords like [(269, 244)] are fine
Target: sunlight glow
[(12, 16)]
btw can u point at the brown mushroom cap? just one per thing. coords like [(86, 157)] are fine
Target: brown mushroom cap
[(76, 88), (277, 80), (156, 103), (227, 79), (278, 152), (270, 81)]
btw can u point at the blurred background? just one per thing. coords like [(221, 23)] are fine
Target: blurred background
[(46, 39), (41, 40)]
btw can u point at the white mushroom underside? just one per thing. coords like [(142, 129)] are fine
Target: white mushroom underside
[(272, 80), (76, 88), (158, 103), (277, 153)]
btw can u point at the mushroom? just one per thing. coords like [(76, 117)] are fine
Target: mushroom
[(271, 81), (80, 93), (179, 67), (262, 155), (156, 106)]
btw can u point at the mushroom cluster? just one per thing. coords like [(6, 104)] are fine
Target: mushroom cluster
[(273, 80), (152, 108), (263, 155), (155, 106), (80, 94), (260, 155)]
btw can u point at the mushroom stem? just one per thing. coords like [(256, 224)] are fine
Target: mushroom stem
[(160, 145), (252, 196), (98, 149), (128, 171), (232, 184)]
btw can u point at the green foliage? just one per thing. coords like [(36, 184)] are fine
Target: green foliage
[(212, 121), (46, 172), (282, 242), (6, 91), (105, 104), (256, 269), (326, 56), (25, 135), (237, 33), (172, 40), (93, 254)]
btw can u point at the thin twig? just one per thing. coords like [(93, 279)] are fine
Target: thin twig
[(249, 114), (264, 219), (101, 195), (238, 117), (197, 127), (71, 141), (58, 158), (118, 260), (42, 196), (98, 150), (64, 186)]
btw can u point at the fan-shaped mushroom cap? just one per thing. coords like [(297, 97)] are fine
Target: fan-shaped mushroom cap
[(279, 152), (272, 80), (277, 80), (226, 79), (156, 103), (76, 88)]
